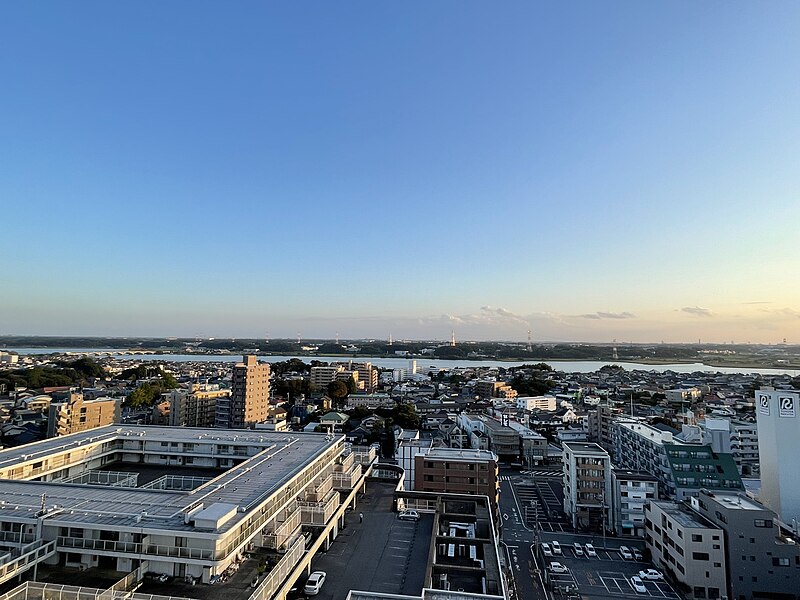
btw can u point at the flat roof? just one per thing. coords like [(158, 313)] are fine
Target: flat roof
[(245, 485), (680, 517), (459, 454), (586, 447)]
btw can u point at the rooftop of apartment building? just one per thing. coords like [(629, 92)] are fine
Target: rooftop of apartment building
[(279, 457), (635, 475), (456, 454), (585, 448), (681, 515)]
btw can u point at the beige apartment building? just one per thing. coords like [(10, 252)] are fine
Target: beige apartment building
[(195, 407), (322, 376), (248, 403), (76, 414)]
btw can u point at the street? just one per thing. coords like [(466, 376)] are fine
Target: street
[(518, 539)]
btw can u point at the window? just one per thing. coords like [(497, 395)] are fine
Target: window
[(699, 592), (699, 555), (696, 537), (767, 523), (780, 562)]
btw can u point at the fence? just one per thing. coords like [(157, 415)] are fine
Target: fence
[(281, 570), (183, 483), (49, 591), (109, 478)]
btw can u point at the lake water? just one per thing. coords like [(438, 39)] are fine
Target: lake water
[(569, 366)]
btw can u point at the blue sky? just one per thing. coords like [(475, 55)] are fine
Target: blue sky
[(588, 170)]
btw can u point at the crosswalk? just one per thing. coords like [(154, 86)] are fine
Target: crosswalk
[(549, 474)]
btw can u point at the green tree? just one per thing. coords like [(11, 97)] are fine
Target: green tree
[(337, 390), (352, 388), (405, 415), (388, 440)]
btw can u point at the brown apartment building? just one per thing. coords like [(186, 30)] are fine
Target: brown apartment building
[(457, 471), (249, 400), (76, 414)]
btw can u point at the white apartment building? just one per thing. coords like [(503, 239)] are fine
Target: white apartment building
[(69, 499), (530, 403), (734, 437), (631, 491), (778, 414), (682, 395), (587, 484), (406, 453), (689, 549)]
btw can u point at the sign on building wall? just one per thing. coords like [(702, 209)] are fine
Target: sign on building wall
[(763, 404), (787, 406)]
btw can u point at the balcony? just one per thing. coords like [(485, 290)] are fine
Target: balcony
[(347, 480), (318, 490), (72, 543), (319, 513), (283, 530)]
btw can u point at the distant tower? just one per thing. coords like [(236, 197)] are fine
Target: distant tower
[(298, 337), (337, 337), (615, 355), (453, 337), (530, 349), (266, 337), (390, 338)]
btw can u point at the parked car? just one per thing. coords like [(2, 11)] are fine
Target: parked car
[(557, 567), (546, 550), (637, 585), (637, 554), (578, 549), (408, 515), (651, 574), (590, 551), (314, 583), (625, 553), (556, 548)]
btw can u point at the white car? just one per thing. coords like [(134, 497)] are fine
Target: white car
[(546, 550), (637, 585), (651, 574), (408, 515), (625, 553), (590, 551), (578, 549), (314, 583), (557, 567), (556, 547)]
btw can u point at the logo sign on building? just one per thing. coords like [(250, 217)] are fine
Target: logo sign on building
[(763, 404), (787, 406), (505, 420)]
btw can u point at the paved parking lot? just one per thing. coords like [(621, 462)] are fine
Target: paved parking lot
[(606, 575), (381, 554)]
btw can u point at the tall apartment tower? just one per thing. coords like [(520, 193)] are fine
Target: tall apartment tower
[(778, 414), (249, 401)]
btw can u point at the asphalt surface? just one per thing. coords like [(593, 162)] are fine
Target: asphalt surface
[(381, 554), (518, 539)]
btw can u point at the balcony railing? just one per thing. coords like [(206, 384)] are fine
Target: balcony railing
[(72, 543)]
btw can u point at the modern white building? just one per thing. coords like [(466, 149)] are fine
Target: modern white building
[(778, 414), (536, 403), (100, 498), (691, 550), (406, 454)]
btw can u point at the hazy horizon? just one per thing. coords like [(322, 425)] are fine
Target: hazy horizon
[(588, 170)]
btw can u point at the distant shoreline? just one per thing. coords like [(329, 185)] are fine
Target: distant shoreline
[(730, 363)]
